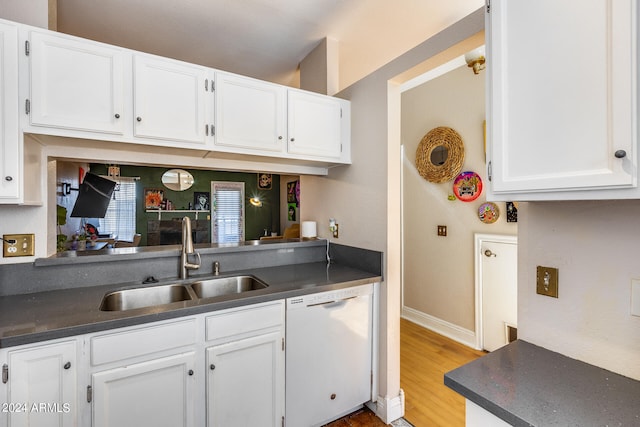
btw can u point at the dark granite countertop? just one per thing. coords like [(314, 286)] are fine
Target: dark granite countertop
[(527, 385), (55, 314)]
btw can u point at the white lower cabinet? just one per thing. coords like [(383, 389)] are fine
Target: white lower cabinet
[(40, 386), (245, 382), (224, 369), (245, 366), (155, 393)]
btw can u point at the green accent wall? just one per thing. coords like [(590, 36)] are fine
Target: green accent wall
[(256, 219)]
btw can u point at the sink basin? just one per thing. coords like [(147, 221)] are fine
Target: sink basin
[(226, 286), (129, 299)]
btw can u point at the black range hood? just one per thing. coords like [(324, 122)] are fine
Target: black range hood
[(94, 196)]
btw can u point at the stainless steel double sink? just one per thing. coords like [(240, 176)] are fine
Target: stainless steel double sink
[(128, 299)]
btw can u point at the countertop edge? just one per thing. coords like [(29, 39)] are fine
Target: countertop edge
[(527, 385)]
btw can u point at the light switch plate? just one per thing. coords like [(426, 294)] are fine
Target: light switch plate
[(635, 297), (23, 245), (547, 281)]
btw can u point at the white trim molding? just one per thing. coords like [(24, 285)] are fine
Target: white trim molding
[(442, 327), (389, 409)]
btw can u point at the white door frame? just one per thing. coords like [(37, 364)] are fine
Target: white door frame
[(479, 239)]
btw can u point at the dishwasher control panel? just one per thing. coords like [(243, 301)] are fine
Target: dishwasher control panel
[(329, 296)]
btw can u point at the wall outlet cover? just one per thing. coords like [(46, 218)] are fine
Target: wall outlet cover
[(15, 245)]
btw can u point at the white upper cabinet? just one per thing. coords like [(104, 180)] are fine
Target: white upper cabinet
[(76, 84), (250, 114), (315, 125), (10, 139), (170, 100), (562, 99)]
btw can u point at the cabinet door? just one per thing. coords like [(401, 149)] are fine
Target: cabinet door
[(562, 95), (245, 382), (170, 100), (250, 114), (314, 127), (10, 141), (43, 379), (76, 84), (157, 393)]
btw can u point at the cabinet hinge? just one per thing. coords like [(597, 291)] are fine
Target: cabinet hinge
[(27, 47), (89, 393), (213, 130), (206, 130), (213, 85), (282, 421), (341, 148), (488, 6), (282, 344), (27, 106), (340, 112), (489, 170), (5, 373), (206, 85)]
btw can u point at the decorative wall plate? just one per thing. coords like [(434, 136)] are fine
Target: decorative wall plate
[(488, 212), (467, 186)]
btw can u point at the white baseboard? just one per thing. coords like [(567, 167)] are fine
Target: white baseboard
[(389, 409), (442, 327)]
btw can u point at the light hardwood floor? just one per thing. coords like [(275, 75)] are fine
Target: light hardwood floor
[(424, 359)]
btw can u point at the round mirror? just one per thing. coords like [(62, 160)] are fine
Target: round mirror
[(177, 179), (439, 155)]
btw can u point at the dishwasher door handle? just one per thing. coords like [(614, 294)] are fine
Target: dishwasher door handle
[(332, 304)]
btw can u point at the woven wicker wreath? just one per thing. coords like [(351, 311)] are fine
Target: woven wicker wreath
[(449, 139)]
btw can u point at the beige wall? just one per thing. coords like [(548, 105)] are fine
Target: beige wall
[(365, 197), (438, 272), (30, 12), (595, 247)]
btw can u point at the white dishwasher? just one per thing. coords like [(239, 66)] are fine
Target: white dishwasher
[(328, 355)]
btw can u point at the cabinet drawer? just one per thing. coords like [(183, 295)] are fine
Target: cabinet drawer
[(141, 341), (230, 323)]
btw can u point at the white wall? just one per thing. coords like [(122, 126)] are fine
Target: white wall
[(595, 247), (30, 12), (438, 274)]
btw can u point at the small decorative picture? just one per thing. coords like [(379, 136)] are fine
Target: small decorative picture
[(153, 198), (292, 212), (292, 192), (201, 201), (512, 211), (264, 181)]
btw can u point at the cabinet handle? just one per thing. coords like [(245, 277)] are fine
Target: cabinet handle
[(620, 154), (212, 366), (8, 178), (117, 116), (293, 139), (333, 396), (280, 137), (139, 119), (67, 365), (190, 372)]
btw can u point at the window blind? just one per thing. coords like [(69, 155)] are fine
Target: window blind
[(120, 219), (227, 218)]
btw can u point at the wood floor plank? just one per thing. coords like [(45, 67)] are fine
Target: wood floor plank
[(424, 359)]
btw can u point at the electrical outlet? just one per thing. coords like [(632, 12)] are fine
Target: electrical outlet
[(547, 281), (442, 230), (15, 245), (335, 230)]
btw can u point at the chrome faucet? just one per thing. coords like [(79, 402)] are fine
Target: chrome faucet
[(187, 249)]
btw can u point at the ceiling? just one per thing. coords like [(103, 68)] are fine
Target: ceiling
[(265, 39)]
